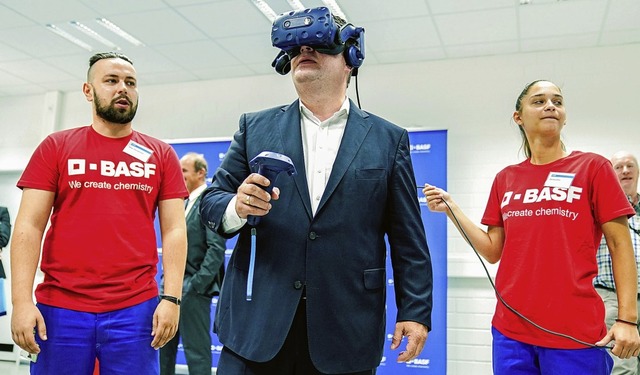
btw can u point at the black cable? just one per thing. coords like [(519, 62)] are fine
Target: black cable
[(357, 92), (466, 237)]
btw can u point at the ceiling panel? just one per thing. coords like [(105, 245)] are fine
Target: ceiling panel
[(114, 7), (75, 65), (477, 27), (417, 32), (189, 40), (166, 77), (198, 55), (10, 53), (10, 18), (381, 10), (157, 27), (37, 42), (227, 18), (462, 6), (557, 42), (35, 70), (410, 55), (622, 15), (249, 49), (561, 18), (11, 80), (475, 49), (613, 38), (49, 11)]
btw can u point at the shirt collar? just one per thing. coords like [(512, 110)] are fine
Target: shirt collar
[(196, 192), (637, 205), (343, 111)]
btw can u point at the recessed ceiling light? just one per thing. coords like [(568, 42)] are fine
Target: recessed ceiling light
[(55, 29), (94, 35), (118, 31), (335, 8), (265, 9), (296, 5)]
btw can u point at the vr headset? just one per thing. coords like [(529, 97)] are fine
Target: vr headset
[(317, 29)]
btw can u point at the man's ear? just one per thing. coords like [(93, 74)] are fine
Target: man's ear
[(87, 90)]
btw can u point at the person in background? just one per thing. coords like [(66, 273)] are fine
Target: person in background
[(5, 227), (104, 182), (202, 278), (545, 217), (318, 300), (5, 234), (625, 165)]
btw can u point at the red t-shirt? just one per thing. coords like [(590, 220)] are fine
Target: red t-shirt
[(100, 252), (552, 216)]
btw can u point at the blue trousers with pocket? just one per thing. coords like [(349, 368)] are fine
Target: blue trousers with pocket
[(120, 340)]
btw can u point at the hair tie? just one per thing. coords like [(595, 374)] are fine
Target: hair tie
[(627, 322)]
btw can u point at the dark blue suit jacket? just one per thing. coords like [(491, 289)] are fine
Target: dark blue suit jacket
[(338, 255)]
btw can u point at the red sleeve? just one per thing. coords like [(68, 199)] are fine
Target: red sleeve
[(608, 199), (493, 213), (42, 171), (172, 184)]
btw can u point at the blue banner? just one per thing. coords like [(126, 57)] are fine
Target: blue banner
[(429, 156)]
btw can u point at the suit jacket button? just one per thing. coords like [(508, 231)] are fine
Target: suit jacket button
[(313, 235), (297, 284)]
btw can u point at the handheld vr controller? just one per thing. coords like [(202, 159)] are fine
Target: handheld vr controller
[(270, 165), (317, 29)]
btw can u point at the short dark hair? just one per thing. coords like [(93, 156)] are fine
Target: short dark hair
[(108, 55), (105, 55)]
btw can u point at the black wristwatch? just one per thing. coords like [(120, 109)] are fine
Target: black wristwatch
[(170, 298)]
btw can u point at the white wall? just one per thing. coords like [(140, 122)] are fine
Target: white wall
[(472, 98)]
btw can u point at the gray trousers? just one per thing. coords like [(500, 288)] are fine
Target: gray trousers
[(629, 366), (195, 330)]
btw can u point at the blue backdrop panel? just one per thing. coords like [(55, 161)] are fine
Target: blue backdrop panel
[(429, 156)]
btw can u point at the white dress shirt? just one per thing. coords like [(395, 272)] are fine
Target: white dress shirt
[(192, 198), (320, 144)]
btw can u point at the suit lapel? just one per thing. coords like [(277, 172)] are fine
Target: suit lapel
[(289, 126), (194, 208), (354, 134)]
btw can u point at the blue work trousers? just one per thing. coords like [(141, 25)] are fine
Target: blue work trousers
[(511, 357), (120, 340)]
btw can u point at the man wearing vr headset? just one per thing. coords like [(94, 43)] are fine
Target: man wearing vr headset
[(318, 303)]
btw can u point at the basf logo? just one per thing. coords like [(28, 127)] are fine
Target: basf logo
[(419, 363), (420, 148)]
